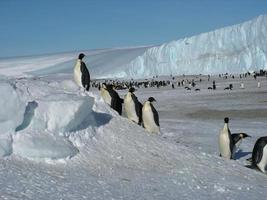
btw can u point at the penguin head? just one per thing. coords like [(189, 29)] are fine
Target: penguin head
[(104, 85), (81, 56), (226, 120), (244, 135), (151, 99), (132, 89), (109, 87)]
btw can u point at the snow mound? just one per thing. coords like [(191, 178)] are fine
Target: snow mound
[(12, 109), (60, 113), (46, 121), (43, 145)]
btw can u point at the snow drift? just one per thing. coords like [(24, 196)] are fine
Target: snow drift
[(12, 109), (40, 128)]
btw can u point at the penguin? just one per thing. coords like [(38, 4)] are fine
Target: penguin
[(228, 143), (105, 93), (133, 107), (150, 116), (225, 141), (259, 155), (237, 139), (81, 73), (111, 97)]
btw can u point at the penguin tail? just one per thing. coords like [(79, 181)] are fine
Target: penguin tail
[(249, 159)]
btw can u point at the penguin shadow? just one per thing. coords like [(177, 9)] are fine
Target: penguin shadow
[(239, 154), (101, 118), (93, 119)]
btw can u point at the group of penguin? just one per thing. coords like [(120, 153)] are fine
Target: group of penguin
[(147, 116), (144, 115), (228, 143)]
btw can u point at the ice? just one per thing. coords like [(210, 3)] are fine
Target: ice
[(42, 145), (12, 108), (236, 49), (61, 113), (11, 115)]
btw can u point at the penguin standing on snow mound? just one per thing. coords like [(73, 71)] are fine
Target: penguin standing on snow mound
[(259, 155), (133, 107), (225, 141), (150, 116), (81, 73), (105, 93), (111, 97)]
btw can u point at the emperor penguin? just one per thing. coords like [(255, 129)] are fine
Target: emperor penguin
[(259, 155), (105, 93), (111, 97), (225, 141), (150, 116), (237, 139), (81, 73), (133, 107)]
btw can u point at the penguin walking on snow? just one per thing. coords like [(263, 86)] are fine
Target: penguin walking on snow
[(150, 116), (111, 97), (259, 155), (228, 143), (133, 107), (81, 73), (225, 141)]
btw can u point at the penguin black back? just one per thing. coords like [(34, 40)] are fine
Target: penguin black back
[(257, 152), (155, 113), (85, 79)]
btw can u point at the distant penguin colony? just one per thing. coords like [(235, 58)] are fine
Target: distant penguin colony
[(259, 155), (133, 107), (150, 116), (81, 73)]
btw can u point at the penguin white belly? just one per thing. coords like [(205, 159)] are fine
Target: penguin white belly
[(78, 74), (224, 145), (105, 95), (262, 164), (130, 108), (148, 119)]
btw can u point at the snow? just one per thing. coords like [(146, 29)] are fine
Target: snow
[(12, 109), (60, 142)]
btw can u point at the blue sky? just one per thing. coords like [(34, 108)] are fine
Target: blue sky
[(30, 27)]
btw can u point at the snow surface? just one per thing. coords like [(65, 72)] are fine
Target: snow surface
[(101, 155)]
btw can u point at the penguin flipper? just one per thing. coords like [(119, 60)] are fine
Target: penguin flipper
[(156, 115)]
